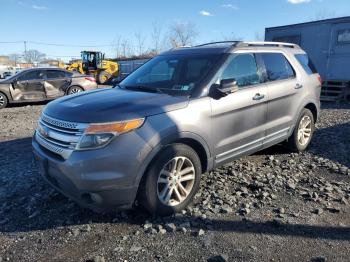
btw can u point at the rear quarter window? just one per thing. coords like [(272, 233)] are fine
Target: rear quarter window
[(306, 63), (277, 66)]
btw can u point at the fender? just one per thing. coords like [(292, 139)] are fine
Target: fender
[(301, 107), (169, 139)]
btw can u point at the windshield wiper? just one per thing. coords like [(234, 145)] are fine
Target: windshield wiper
[(145, 88)]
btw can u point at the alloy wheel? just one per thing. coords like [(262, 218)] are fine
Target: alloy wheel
[(2, 100), (304, 130), (175, 181)]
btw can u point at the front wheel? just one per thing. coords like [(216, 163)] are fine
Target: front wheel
[(302, 134), (171, 181), (103, 77)]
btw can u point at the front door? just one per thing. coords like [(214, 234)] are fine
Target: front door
[(238, 119), (56, 83), (29, 86), (338, 63)]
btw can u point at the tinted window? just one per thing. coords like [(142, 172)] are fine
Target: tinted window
[(68, 74), (175, 73), (277, 66), (306, 63), (32, 75), (243, 69), (55, 74), (163, 71)]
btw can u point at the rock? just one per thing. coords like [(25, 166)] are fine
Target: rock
[(218, 258), (333, 209), (162, 231), (291, 185), (135, 248), (75, 232), (200, 232), (118, 249), (87, 228), (318, 211), (147, 225), (183, 229), (98, 259), (170, 227)]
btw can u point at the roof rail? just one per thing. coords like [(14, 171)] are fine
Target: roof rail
[(272, 44), (233, 43)]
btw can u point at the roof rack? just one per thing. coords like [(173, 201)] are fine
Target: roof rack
[(271, 44), (233, 43)]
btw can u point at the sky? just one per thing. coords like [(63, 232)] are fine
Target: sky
[(75, 25)]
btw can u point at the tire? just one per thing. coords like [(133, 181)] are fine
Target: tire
[(295, 143), (74, 90), (3, 100), (103, 77), (153, 186)]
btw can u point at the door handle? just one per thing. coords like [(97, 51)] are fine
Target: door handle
[(258, 96), (298, 86)]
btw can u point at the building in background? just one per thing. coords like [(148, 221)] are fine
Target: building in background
[(327, 42)]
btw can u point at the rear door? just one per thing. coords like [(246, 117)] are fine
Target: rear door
[(238, 119), (29, 85), (56, 83), (283, 88), (339, 58)]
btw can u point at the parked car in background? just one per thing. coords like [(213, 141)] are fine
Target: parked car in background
[(185, 112), (39, 84)]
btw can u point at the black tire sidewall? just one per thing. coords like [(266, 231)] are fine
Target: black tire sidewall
[(295, 141), (150, 198), (103, 73), (5, 101)]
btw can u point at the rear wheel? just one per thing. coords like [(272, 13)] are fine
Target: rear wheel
[(3, 100), (103, 77), (171, 181), (302, 134), (74, 90)]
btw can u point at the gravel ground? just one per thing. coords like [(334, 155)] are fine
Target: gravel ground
[(271, 206)]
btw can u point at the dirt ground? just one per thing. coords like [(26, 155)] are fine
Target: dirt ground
[(271, 206)]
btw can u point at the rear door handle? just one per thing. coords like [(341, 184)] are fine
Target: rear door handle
[(258, 96), (298, 86)]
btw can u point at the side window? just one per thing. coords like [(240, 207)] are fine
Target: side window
[(344, 36), (52, 74), (306, 63), (32, 75), (68, 74), (243, 69), (277, 66)]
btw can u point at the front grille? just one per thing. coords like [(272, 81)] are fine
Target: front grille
[(58, 136)]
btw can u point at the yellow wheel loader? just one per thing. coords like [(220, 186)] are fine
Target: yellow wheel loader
[(93, 63)]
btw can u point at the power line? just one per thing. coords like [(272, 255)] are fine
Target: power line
[(54, 44), (67, 45)]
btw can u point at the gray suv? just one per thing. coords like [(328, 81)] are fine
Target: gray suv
[(184, 112)]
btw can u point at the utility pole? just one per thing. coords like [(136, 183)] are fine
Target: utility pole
[(25, 49)]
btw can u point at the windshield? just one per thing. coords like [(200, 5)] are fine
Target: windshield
[(177, 74)]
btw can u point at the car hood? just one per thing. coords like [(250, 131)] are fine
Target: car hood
[(112, 104)]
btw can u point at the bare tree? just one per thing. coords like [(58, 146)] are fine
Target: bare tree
[(156, 37), (182, 34), (140, 42), (15, 57), (230, 37), (33, 56), (116, 46), (126, 48)]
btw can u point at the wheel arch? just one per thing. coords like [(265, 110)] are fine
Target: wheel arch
[(190, 139), (312, 107)]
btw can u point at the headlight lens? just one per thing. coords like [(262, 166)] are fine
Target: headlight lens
[(99, 135)]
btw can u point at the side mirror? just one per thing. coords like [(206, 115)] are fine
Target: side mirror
[(226, 87)]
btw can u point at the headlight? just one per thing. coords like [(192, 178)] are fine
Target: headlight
[(99, 135)]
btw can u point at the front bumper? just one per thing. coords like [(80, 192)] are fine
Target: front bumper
[(103, 179)]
